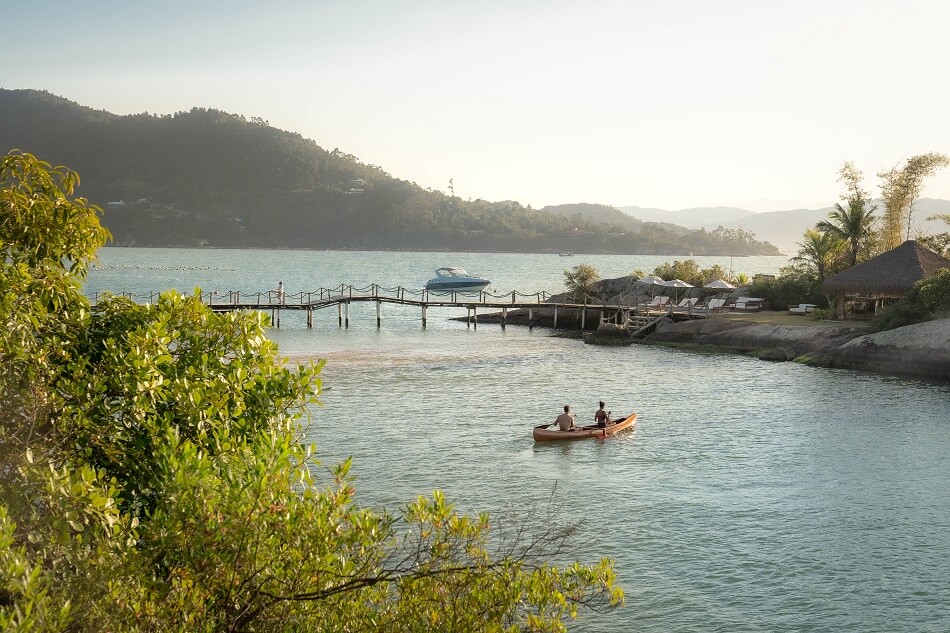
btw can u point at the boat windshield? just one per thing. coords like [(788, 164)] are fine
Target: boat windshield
[(451, 272)]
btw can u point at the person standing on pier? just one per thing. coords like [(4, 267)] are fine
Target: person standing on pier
[(280, 292)]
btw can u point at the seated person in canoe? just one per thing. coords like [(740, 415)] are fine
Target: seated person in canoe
[(565, 421), (602, 418)]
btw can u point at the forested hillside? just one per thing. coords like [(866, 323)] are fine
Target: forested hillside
[(211, 178)]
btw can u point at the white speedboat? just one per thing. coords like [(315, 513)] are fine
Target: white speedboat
[(455, 279)]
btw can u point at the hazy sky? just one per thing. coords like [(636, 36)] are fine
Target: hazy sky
[(658, 104)]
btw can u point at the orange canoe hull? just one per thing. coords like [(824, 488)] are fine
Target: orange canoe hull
[(544, 433)]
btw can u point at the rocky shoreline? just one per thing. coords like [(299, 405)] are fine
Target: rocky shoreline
[(919, 351)]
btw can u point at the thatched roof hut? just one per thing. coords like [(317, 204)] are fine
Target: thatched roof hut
[(890, 274)]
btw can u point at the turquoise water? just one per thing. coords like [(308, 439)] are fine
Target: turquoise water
[(752, 496)]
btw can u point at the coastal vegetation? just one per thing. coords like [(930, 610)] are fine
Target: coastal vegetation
[(208, 178), (939, 243), (153, 474), (900, 187), (929, 299), (690, 272), (853, 233), (579, 281)]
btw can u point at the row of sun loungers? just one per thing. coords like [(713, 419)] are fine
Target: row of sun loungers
[(689, 305)]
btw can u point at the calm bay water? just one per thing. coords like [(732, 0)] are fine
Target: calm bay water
[(752, 496)]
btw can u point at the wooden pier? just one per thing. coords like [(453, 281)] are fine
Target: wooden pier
[(618, 310)]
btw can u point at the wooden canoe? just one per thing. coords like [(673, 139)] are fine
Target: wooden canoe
[(542, 432)]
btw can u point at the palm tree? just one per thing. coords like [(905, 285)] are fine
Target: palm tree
[(742, 279), (854, 225), (819, 251)]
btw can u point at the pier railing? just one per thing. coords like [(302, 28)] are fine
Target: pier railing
[(276, 298), (617, 309)]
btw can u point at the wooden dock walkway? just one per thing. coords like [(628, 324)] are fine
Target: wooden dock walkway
[(619, 309)]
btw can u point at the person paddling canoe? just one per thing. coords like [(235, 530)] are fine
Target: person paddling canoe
[(565, 421), (602, 418)]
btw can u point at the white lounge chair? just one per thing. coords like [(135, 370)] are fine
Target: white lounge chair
[(713, 305), (748, 303), (802, 308), (687, 305), (658, 302)]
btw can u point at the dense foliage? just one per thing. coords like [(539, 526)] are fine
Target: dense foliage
[(929, 299), (152, 474), (208, 177), (939, 243), (690, 272), (852, 234), (795, 284), (900, 187), (579, 281)]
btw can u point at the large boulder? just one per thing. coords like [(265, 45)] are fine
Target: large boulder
[(921, 350), (915, 350), (609, 334)]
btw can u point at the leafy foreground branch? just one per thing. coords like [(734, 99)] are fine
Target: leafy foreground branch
[(153, 476)]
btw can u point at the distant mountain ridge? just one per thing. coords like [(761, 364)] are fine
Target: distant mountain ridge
[(782, 228), (209, 178), (687, 217)]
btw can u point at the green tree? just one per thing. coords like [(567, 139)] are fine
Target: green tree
[(853, 180), (153, 475), (819, 252), (580, 281), (712, 274), (853, 222), (687, 271), (47, 240), (939, 243), (929, 299), (742, 279), (796, 283), (900, 187)]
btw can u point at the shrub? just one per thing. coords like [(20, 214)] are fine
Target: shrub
[(689, 272), (929, 299), (152, 474), (788, 290), (580, 280)]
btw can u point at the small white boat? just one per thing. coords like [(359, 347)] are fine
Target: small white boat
[(455, 279)]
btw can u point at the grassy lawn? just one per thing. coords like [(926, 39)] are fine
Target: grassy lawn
[(782, 317)]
